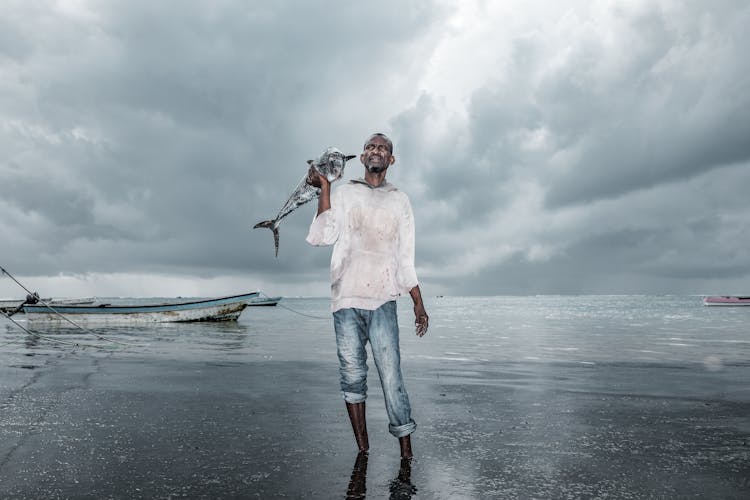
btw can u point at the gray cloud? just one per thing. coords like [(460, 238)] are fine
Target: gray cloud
[(590, 149)]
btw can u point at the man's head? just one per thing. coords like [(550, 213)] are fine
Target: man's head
[(378, 153)]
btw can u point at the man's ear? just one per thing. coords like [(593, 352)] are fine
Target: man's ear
[(393, 160)]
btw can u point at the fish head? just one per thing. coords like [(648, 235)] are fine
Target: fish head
[(332, 162)]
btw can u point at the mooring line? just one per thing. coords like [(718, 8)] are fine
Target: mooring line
[(44, 337), (14, 279), (303, 314), (8, 343), (86, 330), (279, 304)]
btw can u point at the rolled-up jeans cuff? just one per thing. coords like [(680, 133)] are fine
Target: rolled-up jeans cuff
[(353, 397), (402, 430)]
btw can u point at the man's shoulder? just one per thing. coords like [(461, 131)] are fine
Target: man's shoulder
[(397, 193)]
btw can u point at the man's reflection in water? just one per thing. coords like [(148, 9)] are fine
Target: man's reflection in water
[(400, 487), (358, 482)]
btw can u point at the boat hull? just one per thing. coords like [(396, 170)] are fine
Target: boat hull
[(11, 305), (264, 301), (218, 309), (726, 301)]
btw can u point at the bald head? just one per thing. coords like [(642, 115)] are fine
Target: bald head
[(388, 142)]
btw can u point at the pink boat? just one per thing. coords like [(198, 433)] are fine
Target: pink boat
[(726, 300)]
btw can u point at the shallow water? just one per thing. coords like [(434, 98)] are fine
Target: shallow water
[(468, 338), (591, 329), (515, 397), (578, 329)]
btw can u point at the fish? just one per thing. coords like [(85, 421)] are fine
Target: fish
[(330, 164)]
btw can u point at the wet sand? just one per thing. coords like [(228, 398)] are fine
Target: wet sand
[(89, 425)]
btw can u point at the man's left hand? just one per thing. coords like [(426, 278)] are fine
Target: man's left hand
[(422, 320)]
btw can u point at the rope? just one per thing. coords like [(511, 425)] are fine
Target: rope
[(295, 312), (44, 337), (304, 314), (7, 343), (85, 330)]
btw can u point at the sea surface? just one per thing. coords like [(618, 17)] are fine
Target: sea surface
[(631, 396), (542, 329), (467, 337)]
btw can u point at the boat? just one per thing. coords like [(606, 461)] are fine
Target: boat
[(217, 309), (10, 305), (264, 301), (726, 300)]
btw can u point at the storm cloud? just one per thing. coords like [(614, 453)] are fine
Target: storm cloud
[(576, 148)]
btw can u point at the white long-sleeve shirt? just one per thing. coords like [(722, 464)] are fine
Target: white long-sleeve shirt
[(372, 233)]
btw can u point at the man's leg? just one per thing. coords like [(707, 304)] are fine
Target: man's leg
[(357, 418), (350, 344), (384, 340)]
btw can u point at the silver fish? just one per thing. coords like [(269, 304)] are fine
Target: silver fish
[(330, 164)]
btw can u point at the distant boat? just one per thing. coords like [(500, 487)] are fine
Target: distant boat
[(217, 309), (726, 300), (264, 301)]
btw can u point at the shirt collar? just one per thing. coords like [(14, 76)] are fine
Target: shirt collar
[(385, 186)]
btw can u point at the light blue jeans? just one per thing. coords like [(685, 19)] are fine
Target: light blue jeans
[(354, 328)]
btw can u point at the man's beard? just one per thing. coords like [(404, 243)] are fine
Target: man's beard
[(375, 168)]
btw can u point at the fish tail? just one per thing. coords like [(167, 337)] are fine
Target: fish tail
[(271, 224)]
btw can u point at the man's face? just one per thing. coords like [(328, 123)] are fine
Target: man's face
[(376, 157)]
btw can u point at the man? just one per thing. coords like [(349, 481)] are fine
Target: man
[(371, 227)]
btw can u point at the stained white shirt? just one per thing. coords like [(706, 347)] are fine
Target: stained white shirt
[(372, 233)]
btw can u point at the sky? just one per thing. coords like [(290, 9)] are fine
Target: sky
[(547, 147)]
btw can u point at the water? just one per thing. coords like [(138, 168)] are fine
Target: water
[(540, 329), (515, 397), (590, 329)]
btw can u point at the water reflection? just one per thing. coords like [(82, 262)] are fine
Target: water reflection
[(400, 488), (182, 340), (31, 341), (358, 483)]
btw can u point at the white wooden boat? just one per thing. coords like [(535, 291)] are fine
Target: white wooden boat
[(9, 305), (264, 301), (726, 300), (217, 309)]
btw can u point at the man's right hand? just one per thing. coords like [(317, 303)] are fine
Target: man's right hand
[(314, 178)]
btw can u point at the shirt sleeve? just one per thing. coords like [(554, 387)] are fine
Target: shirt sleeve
[(407, 274), (324, 229)]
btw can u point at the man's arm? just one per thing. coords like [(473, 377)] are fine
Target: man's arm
[(324, 227), (320, 181), (421, 319)]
